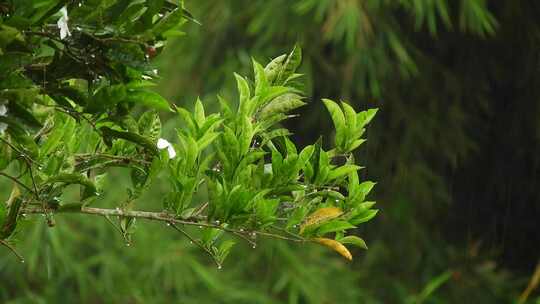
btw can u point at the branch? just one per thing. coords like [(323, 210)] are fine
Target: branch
[(12, 249), (161, 217), (17, 181)]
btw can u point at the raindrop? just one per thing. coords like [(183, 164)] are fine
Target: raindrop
[(128, 244), (80, 4), (147, 56), (160, 15), (92, 55), (22, 261), (337, 201), (218, 222), (40, 168), (168, 224), (97, 193), (241, 230), (219, 267), (191, 242), (200, 227), (78, 28), (23, 215), (254, 246), (117, 209), (155, 71)]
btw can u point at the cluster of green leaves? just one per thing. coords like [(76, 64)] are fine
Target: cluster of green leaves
[(72, 113), (254, 175), (64, 95), (430, 122)]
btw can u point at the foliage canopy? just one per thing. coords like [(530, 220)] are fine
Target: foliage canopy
[(76, 101)]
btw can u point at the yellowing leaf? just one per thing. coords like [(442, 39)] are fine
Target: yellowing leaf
[(336, 246), (15, 193), (321, 215)]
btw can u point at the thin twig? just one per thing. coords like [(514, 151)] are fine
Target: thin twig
[(246, 238), (194, 241), (12, 249), (36, 192), (17, 181), (110, 156), (22, 154)]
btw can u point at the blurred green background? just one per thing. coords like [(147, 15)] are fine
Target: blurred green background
[(455, 149)]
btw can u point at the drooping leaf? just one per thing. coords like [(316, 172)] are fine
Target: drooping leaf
[(336, 246), (354, 240)]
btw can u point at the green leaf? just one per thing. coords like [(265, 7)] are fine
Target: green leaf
[(339, 122), (212, 122), (75, 178), (225, 249), (54, 138), (199, 113), (246, 135), (149, 125), (366, 187), (364, 217), (207, 139), (244, 94), (133, 12), (149, 99), (106, 98), (334, 226), (110, 134), (364, 117), (187, 117), (281, 104), (350, 118), (291, 64), (261, 83), (10, 221), (274, 134), (169, 22), (433, 285), (272, 69), (353, 240), (355, 144), (342, 171)]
